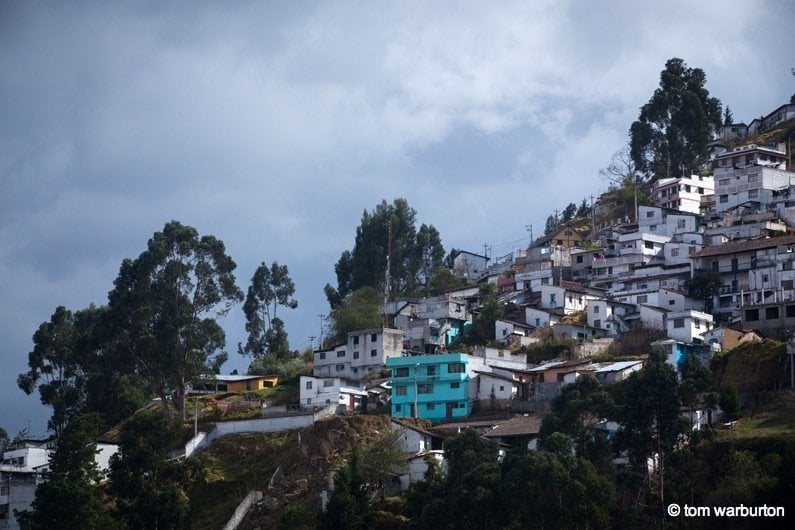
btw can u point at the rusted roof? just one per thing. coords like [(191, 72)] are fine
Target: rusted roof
[(517, 426), (734, 247)]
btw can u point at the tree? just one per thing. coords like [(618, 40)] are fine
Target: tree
[(623, 178), (149, 489), (270, 288), (696, 379), (650, 421), (56, 368), (164, 306), (348, 505), (553, 489), (361, 309), (568, 213), (728, 117), (389, 230), (491, 310), (671, 134), (577, 410), (705, 286), (71, 497)]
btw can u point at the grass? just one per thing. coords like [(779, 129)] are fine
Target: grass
[(231, 468), (773, 417)]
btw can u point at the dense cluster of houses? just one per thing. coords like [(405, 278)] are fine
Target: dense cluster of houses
[(590, 280)]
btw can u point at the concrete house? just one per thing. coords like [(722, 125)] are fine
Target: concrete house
[(432, 387), (362, 356), (683, 193)]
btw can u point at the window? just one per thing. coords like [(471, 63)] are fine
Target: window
[(373, 353), (430, 406), (674, 252), (457, 385), (680, 223), (397, 408), (341, 353), (400, 391), (751, 315), (724, 198), (356, 339), (790, 311), (679, 322), (671, 302), (786, 284), (322, 355), (771, 313), (355, 355), (502, 388), (460, 405), (340, 367), (309, 385), (552, 298), (648, 244), (652, 228), (753, 178), (643, 298), (723, 182), (597, 323), (596, 309), (650, 213), (432, 370), (424, 389), (579, 259), (696, 323), (374, 337), (455, 368), (402, 372), (753, 194)]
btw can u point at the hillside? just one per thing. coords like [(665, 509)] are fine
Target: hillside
[(235, 465)]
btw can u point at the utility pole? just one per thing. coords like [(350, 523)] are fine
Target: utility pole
[(387, 277), (322, 317)]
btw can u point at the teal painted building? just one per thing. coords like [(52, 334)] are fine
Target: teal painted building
[(432, 387)]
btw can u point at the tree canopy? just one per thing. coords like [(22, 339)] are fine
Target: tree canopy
[(389, 230), (164, 308), (271, 287), (671, 134)]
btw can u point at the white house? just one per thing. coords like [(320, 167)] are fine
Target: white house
[(322, 391), (362, 356)]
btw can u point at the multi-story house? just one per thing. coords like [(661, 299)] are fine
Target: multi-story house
[(683, 193), (754, 272), (751, 175), (362, 356), (432, 387), (432, 324)]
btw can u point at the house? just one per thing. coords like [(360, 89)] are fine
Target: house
[(469, 265), (750, 174), (232, 383), (688, 325), (682, 193), (752, 271), (432, 387), (725, 339), (421, 447), (567, 235), (362, 356), (609, 373), (322, 391), (506, 330), (519, 431), (495, 390), (676, 351), (25, 465)]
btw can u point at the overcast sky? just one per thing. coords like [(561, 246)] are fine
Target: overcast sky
[(274, 125)]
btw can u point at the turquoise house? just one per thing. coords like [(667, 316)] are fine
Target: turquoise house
[(431, 387)]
